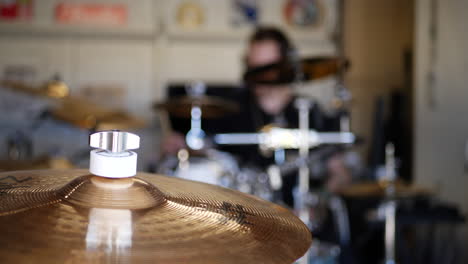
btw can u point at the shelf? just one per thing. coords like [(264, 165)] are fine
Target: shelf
[(25, 28)]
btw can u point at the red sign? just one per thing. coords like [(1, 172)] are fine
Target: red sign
[(91, 14), (16, 9)]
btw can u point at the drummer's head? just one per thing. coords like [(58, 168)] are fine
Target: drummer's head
[(269, 45)]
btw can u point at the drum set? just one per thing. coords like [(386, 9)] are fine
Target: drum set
[(212, 209), (200, 161)]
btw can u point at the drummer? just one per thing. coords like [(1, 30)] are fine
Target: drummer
[(268, 99)]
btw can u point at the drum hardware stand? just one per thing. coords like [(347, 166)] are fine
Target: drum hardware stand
[(19, 146), (274, 173), (343, 97), (390, 206), (303, 105), (195, 136), (284, 138), (338, 207)]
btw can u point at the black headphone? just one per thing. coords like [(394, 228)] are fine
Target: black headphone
[(265, 33), (286, 67)]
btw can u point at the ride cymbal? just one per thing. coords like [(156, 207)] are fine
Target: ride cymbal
[(71, 216), (377, 189)]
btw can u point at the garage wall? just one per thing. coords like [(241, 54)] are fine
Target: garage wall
[(441, 130)]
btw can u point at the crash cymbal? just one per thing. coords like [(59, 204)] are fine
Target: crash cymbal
[(211, 106), (35, 164), (71, 216), (51, 89), (377, 189), (82, 113)]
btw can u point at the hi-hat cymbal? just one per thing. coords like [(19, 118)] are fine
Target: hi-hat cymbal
[(79, 111), (70, 216), (52, 89), (211, 106), (377, 189), (82, 113)]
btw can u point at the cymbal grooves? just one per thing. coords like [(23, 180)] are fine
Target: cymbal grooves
[(154, 219)]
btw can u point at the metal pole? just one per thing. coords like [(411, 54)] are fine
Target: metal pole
[(390, 231), (303, 105), (391, 206)]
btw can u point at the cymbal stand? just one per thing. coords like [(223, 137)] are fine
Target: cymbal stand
[(195, 136), (343, 98), (391, 205), (300, 203)]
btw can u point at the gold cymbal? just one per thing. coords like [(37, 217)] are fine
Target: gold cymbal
[(280, 73), (211, 106), (373, 189), (51, 89), (82, 113), (314, 68), (35, 164), (78, 111), (70, 216)]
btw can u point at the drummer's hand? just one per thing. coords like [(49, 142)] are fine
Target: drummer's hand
[(172, 143), (339, 176)]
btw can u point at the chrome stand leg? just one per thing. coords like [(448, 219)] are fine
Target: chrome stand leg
[(390, 232)]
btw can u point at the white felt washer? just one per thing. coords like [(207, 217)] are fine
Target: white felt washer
[(113, 165)]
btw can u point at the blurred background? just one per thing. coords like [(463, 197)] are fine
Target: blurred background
[(118, 58)]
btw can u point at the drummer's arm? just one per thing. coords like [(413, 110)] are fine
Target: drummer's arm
[(339, 175), (172, 143)]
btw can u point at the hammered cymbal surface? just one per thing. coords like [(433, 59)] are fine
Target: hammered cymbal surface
[(70, 216)]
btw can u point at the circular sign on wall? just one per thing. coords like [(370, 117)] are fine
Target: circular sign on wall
[(304, 13), (190, 15)]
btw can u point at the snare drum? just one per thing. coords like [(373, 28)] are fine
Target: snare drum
[(213, 167), (218, 168)]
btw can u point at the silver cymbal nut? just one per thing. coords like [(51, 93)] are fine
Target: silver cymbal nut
[(114, 141), (113, 158)]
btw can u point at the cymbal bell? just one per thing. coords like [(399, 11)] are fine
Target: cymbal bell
[(70, 216), (211, 106)]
